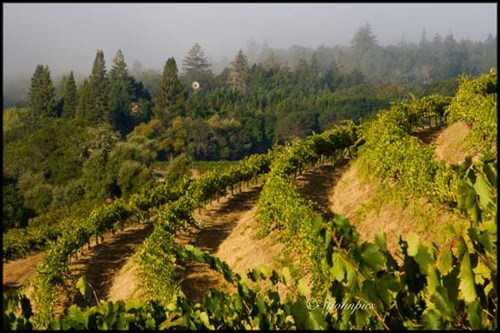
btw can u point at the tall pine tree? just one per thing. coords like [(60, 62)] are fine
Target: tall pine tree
[(196, 67), (59, 96), (98, 91), (70, 98), (41, 95), (169, 99), (83, 109), (238, 76), (314, 72), (120, 88)]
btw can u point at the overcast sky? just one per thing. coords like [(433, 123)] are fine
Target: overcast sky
[(66, 36)]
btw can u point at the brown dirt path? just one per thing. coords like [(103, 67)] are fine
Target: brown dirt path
[(222, 230), (103, 261), (315, 184), (99, 264), (19, 272)]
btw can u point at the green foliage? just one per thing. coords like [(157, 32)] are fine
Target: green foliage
[(205, 166), (62, 167), (97, 178), (41, 94), (120, 88), (12, 321), (14, 210), (476, 104), (196, 67), (393, 155), (281, 207), (169, 99), (37, 194), (238, 76), (70, 98), (98, 92), (177, 169), (83, 109), (14, 123)]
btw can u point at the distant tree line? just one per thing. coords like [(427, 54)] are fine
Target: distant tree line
[(78, 144), (430, 60)]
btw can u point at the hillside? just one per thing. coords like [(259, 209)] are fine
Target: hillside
[(374, 210), (450, 144), (390, 213)]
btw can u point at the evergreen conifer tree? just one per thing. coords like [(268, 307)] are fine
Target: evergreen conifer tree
[(83, 109), (120, 88), (238, 76), (41, 95), (70, 98), (196, 67), (169, 99), (98, 91)]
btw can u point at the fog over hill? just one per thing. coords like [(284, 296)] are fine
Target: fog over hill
[(66, 36)]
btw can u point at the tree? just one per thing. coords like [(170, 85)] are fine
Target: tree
[(70, 98), (196, 67), (120, 88), (98, 91), (238, 76), (97, 180), (314, 71), (364, 39), (307, 75), (301, 75), (41, 95), (276, 71), (366, 53), (59, 95), (129, 165), (333, 77), (169, 98), (140, 108), (84, 109)]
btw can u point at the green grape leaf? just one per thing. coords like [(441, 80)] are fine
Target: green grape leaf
[(491, 174), (441, 301), (483, 191), (286, 276), (384, 286), (424, 259), (303, 288), (84, 288), (381, 242), (373, 257), (264, 271), (204, 319), (338, 269), (444, 261), (76, 318), (412, 240), (432, 319), (315, 321), (466, 277), (474, 315)]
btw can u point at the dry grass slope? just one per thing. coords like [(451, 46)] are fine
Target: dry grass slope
[(450, 144), (372, 212)]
